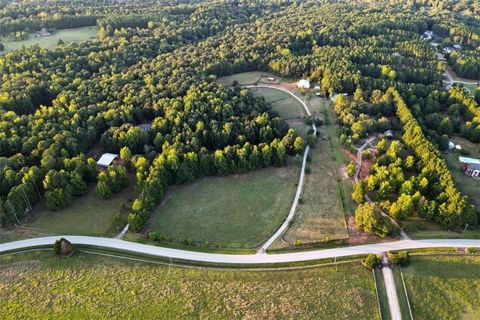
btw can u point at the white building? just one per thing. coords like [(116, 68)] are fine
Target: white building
[(303, 84), (106, 160), (457, 46)]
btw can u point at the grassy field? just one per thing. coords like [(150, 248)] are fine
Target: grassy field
[(320, 216), (87, 215), (67, 35), (444, 287), (41, 286), (246, 78), (283, 103), (467, 185), (233, 211)]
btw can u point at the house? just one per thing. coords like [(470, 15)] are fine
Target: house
[(271, 79), (106, 160), (471, 166), (303, 84), (145, 126), (388, 133)]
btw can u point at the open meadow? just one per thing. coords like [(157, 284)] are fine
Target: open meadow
[(50, 42), (444, 287), (233, 211), (42, 286)]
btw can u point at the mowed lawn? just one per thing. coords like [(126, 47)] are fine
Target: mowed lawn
[(86, 215), (84, 286), (320, 215), (284, 104), (67, 35), (233, 211), (444, 287)]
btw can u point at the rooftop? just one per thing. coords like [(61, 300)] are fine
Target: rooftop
[(468, 160), (106, 159)]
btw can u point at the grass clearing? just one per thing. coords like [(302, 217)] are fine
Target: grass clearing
[(50, 42), (467, 185), (444, 287), (42, 286), (321, 215), (233, 211), (243, 78), (86, 215), (284, 104)]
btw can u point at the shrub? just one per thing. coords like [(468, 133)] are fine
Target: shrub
[(371, 261), (63, 247), (400, 258), (308, 170), (153, 236)]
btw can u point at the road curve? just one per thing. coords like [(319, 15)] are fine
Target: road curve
[(291, 213), (239, 259)]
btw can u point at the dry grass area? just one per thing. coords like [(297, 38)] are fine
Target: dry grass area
[(320, 216), (41, 286), (246, 78)]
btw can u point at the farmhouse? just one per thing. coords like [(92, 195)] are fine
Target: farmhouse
[(106, 160), (303, 84), (471, 166)]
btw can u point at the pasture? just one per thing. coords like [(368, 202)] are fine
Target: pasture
[(42, 286), (50, 42), (233, 211), (444, 287)]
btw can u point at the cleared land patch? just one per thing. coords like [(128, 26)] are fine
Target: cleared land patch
[(86, 215), (41, 286), (233, 211), (50, 42), (320, 216), (283, 103), (444, 287)]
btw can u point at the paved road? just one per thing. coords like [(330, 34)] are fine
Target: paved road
[(109, 243), (291, 213), (391, 290)]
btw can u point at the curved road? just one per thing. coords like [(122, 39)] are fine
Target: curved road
[(240, 259), (291, 213)]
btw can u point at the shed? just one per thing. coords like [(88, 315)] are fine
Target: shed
[(303, 84), (451, 145), (106, 159), (388, 133), (271, 79), (458, 147)]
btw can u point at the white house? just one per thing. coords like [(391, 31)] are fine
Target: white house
[(303, 84), (106, 160)]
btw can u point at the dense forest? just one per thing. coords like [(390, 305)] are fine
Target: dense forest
[(157, 61)]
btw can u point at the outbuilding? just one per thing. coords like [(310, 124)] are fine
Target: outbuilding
[(106, 160), (303, 84)]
